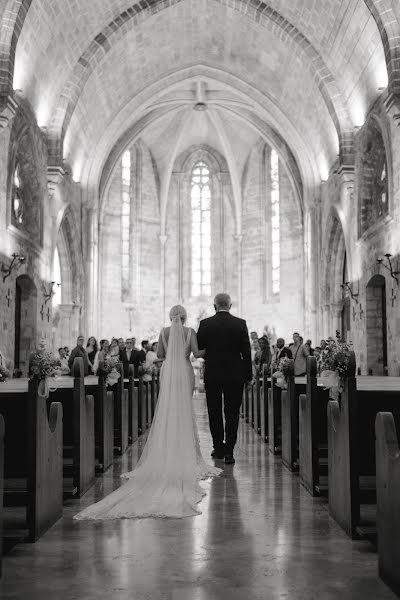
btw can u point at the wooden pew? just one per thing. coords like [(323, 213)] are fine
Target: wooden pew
[(103, 419), (388, 498), (313, 435), (274, 418), (121, 415), (133, 408), (290, 419), (1, 488), (33, 466), (265, 386), (78, 431), (351, 449)]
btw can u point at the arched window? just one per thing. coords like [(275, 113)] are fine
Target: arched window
[(56, 300), (125, 220), (17, 203), (201, 230), (275, 224)]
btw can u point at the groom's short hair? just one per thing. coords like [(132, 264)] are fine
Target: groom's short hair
[(223, 301)]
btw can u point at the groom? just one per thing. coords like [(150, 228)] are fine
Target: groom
[(228, 366)]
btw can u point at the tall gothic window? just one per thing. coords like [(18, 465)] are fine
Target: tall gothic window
[(201, 230), (56, 300), (275, 224), (125, 219), (17, 203)]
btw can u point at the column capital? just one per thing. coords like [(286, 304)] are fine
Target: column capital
[(8, 109), (392, 105), (55, 175)]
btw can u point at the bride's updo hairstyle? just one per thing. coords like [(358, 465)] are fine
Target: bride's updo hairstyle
[(178, 311)]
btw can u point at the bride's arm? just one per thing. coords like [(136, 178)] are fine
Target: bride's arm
[(160, 348), (194, 346)]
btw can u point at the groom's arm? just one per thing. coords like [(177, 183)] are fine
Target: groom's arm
[(201, 336)]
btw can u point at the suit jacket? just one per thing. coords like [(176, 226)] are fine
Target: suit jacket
[(135, 359), (79, 352), (226, 341)]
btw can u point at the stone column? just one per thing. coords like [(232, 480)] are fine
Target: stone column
[(8, 109), (239, 238), (69, 326), (163, 241), (92, 276)]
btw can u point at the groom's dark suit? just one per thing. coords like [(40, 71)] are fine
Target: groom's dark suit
[(227, 366)]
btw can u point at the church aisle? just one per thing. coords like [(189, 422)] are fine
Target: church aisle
[(260, 536)]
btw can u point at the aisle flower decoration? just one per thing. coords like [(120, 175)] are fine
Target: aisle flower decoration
[(4, 373), (111, 369), (43, 365), (281, 373), (335, 360)]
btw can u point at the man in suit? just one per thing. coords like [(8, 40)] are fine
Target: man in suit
[(227, 367), (281, 351), (79, 352), (130, 356)]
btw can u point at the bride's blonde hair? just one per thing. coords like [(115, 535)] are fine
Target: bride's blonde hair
[(178, 311)]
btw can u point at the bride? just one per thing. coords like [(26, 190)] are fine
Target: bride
[(165, 481)]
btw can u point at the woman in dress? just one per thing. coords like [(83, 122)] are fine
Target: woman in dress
[(101, 354), (165, 482), (151, 362), (91, 350)]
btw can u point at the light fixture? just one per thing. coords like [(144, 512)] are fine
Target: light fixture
[(346, 286), (389, 267), (17, 260), (47, 295), (200, 106)]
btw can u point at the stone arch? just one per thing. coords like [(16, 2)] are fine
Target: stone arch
[(376, 326), (11, 25), (334, 264), (374, 175), (262, 13), (388, 25)]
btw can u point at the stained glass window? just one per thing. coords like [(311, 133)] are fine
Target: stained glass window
[(201, 230), (275, 224), (126, 218)]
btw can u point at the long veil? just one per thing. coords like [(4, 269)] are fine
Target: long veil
[(165, 481)]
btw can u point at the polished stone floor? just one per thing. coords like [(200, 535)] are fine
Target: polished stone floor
[(260, 537)]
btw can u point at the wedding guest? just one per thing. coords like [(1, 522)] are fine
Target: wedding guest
[(121, 344), (300, 353), (79, 352), (101, 354), (134, 344), (149, 363), (64, 368), (311, 349), (262, 356), (281, 351), (114, 348), (130, 356), (322, 345), (66, 351), (91, 349), (253, 336), (145, 348), (255, 346), (318, 358)]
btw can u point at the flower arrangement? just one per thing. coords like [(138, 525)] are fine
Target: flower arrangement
[(4, 373), (281, 373), (335, 360), (42, 365), (111, 363)]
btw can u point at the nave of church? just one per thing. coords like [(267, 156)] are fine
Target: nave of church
[(259, 536)]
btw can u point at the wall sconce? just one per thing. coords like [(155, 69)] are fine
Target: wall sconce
[(17, 260), (389, 267), (49, 294), (346, 286)]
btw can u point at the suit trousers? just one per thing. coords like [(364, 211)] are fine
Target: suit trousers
[(233, 394)]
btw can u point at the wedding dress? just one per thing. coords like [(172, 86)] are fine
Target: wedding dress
[(165, 482)]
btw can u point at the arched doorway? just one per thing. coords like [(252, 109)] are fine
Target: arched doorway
[(376, 326), (25, 322)]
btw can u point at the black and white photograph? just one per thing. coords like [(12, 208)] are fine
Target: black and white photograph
[(199, 299)]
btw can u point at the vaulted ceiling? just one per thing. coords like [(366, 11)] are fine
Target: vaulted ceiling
[(99, 73)]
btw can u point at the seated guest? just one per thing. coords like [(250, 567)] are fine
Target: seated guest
[(262, 356), (79, 352), (101, 354), (281, 351), (130, 356), (64, 368), (91, 349), (299, 353)]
